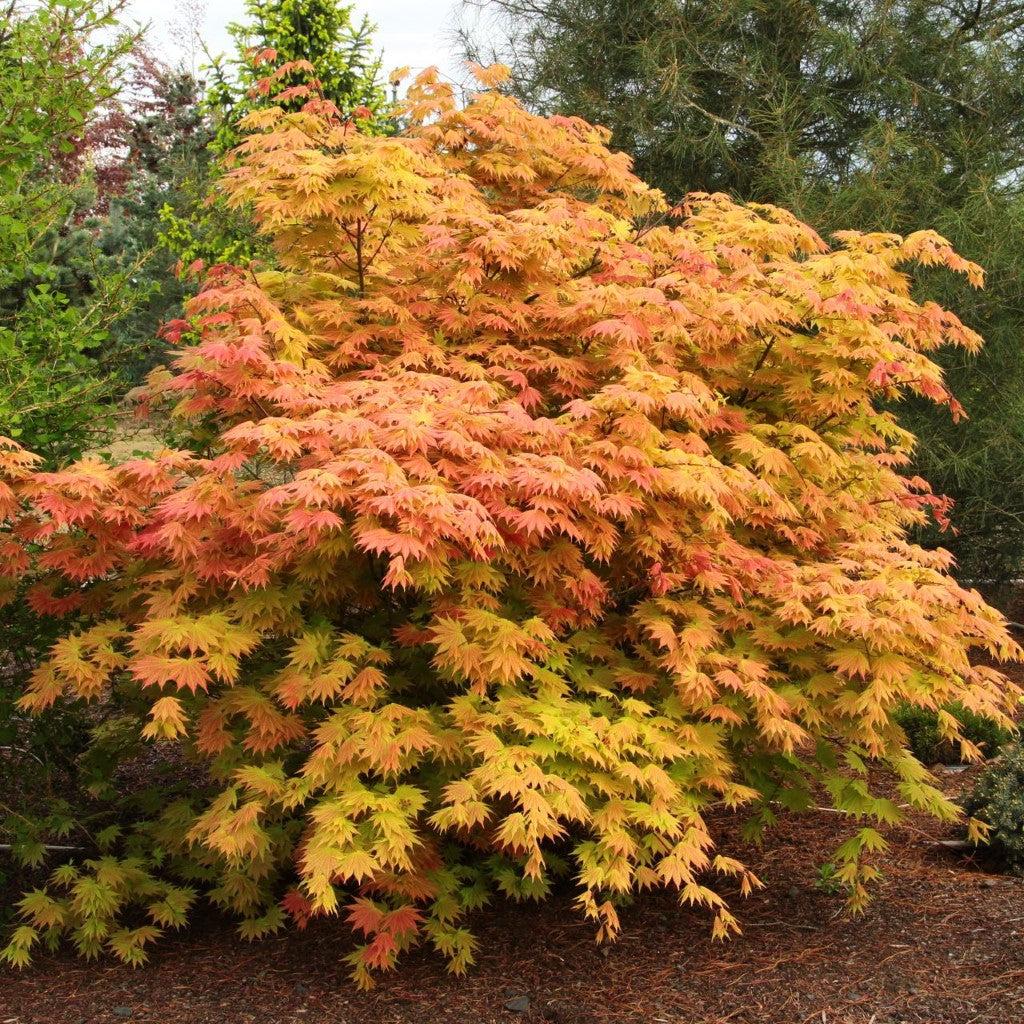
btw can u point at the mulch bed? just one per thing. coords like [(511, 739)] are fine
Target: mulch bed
[(943, 941)]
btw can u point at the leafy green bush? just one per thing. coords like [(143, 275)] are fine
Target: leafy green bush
[(998, 800), (59, 298), (930, 746)]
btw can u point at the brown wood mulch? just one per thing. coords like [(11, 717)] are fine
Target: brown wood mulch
[(942, 942)]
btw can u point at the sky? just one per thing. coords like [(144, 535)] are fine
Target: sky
[(417, 33)]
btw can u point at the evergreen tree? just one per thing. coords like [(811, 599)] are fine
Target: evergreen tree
[(167, 167), (319, 31)]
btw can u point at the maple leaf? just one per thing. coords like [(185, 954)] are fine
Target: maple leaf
[(167, 720), (297, 907)]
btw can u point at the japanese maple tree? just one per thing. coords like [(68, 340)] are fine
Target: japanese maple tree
[(539, 523)]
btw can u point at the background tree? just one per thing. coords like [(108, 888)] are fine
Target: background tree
[(320, 31), (166, 160), (58, 299), (891, 114)]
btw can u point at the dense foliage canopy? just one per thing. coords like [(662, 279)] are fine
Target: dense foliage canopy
[(541, 522), (893, 115)]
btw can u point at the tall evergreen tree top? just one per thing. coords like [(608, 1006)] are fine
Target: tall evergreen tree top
[(323, 32)]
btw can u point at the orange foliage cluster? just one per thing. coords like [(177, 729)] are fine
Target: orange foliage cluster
[(540, 521)]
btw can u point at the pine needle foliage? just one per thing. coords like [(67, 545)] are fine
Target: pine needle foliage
[(998, 800), (541, 523)]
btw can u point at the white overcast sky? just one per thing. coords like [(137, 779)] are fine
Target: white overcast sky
[(417, 33)]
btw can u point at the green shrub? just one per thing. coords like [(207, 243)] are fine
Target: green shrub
[(929, 746), (998, 800)]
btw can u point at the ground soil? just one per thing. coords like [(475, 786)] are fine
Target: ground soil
[(943, 943)]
